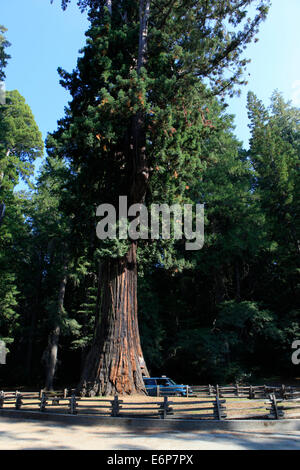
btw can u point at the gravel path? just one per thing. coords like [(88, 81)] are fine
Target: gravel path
[(18, 434)]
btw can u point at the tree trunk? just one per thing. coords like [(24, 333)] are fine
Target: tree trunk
[(219, 286), (2, 205), (238, 282), (33, 322), (52, 357), (115, 363), (108, 5), (51, 353), (143, 38)]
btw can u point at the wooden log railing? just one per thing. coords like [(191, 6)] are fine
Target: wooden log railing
[(245, 391), (161, 409), (276, 410), (280, 409), (283, 403), (229, 391)]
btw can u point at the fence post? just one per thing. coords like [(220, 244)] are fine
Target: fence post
[(251, 392), (220, 410), (187, 391), (283, 391), (43, 402), (72, 405), (276, 412), (210, 392), (2, 397), (157, 391), (55, 400), (217, 391), (237, 390), (65, 392), (18, 400), (115, 407), (165, 408)]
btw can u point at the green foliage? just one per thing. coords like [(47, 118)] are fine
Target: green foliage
[(152, 330), (20, 144), (8, 302), (249, 257), (3, 54), (275, 155), (86, 318), (20, 140)]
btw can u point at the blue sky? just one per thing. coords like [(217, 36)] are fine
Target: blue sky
[(274, 63), (43, 37)]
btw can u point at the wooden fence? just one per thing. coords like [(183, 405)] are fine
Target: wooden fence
[(163, 409), (245, 391), (210, 408), (232, 391), (197, 391), (282, 410)]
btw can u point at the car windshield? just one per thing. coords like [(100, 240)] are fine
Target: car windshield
[(150, 381), (165, 382), (162, 382)]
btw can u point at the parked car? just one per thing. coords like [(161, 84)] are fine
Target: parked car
[(166, 385)]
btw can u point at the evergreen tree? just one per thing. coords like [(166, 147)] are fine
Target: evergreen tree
[(3, 54), (274, 153), (135, 122), (20, 145)]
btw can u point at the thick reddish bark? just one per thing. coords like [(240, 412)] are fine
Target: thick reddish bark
[(115, 363)]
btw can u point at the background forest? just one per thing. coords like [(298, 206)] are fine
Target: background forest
[(228, 312)]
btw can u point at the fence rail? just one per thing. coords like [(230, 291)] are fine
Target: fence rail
[(161, 409), (212, 407), (282, 410), (246, 391), (232, 391), (198, 391)]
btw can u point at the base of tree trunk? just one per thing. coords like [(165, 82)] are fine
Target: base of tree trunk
[(115, 363)]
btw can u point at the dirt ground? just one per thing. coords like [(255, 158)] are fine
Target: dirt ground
[(17, 434)]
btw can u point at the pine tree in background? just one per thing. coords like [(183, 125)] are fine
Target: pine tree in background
[(3, 54), (50, 230), (20, 141), (275, 155), (3, 62), (20, 144)]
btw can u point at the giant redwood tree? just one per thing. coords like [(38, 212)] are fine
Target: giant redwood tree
[(136, 126)]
